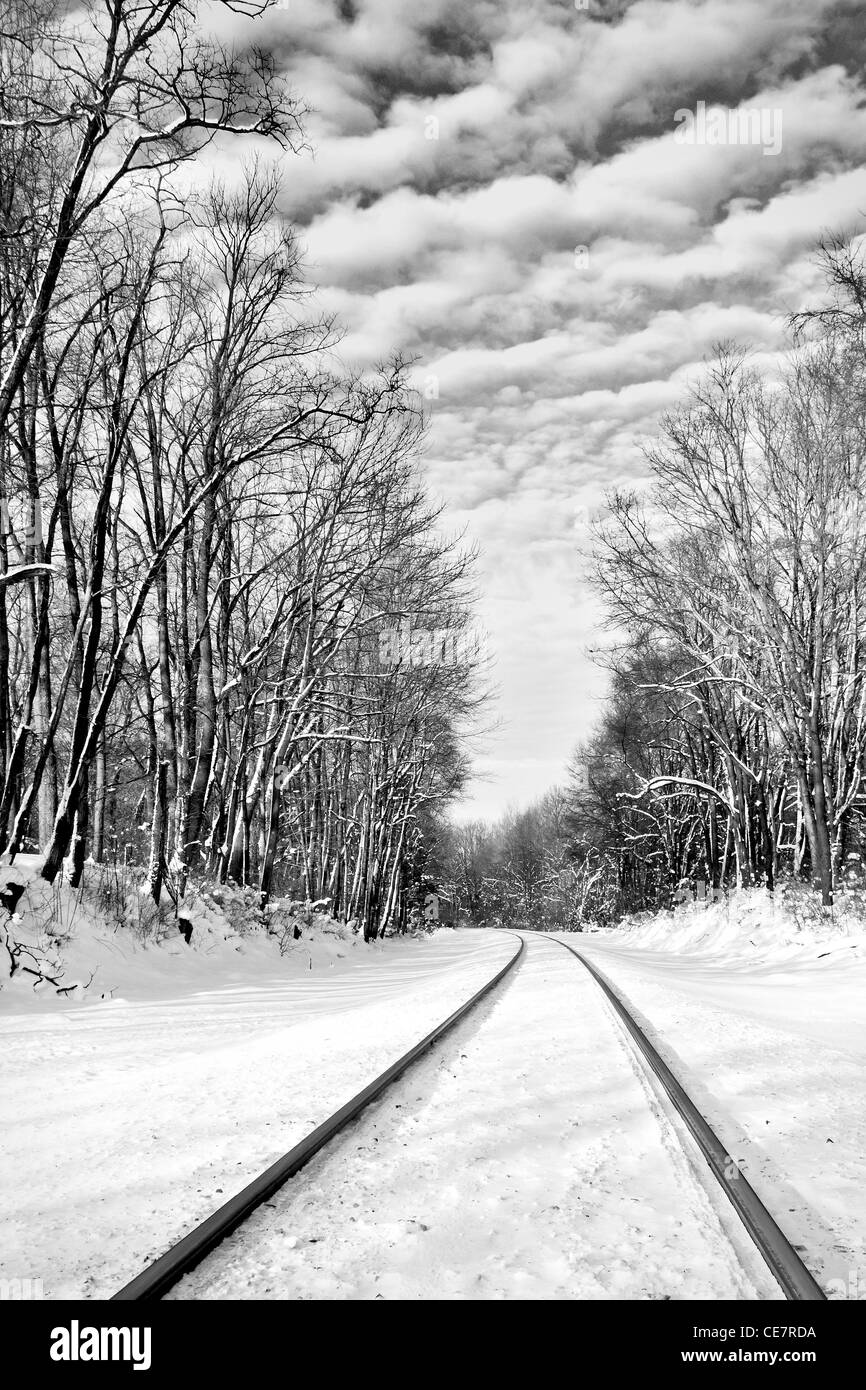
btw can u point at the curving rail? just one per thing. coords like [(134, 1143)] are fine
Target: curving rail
[(785, 1264), (777, 1251), (157, 1278)]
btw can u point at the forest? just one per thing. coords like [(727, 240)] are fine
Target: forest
[(207, 521), (217, 549)]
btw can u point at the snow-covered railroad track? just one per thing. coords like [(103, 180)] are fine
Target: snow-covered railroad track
[(163, 1273), (795, 1280), (542, 1168)]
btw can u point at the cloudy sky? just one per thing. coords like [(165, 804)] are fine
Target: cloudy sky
[(497, 191)]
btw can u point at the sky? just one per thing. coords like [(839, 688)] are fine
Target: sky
[(502, 193)]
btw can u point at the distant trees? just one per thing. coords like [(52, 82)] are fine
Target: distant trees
[(470, 866), (206, 522), (524, 869)]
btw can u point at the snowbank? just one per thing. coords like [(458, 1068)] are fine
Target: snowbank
[(753, 924), (107, 942)]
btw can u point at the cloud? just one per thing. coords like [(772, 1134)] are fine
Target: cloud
[(497, 191)]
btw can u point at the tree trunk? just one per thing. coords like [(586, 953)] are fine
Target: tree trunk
[(158, 830)]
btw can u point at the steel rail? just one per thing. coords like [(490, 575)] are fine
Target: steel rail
[(163, 1273), (797, 1283)]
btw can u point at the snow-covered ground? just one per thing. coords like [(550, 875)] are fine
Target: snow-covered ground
[(760, 1009), (125, 1122), (528, 1157)]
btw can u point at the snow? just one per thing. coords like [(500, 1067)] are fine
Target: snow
[(124, 1123), (754, 925), (103, 944), (529, 1157), (759, 1007)]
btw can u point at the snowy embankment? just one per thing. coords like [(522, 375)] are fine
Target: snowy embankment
[(106, 941), (128, 1119), (759, 1006)]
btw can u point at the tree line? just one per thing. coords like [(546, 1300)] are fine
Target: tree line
[(207, 521)]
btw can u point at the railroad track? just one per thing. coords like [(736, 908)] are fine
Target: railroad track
[(783, 1261), (166, 1271)]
